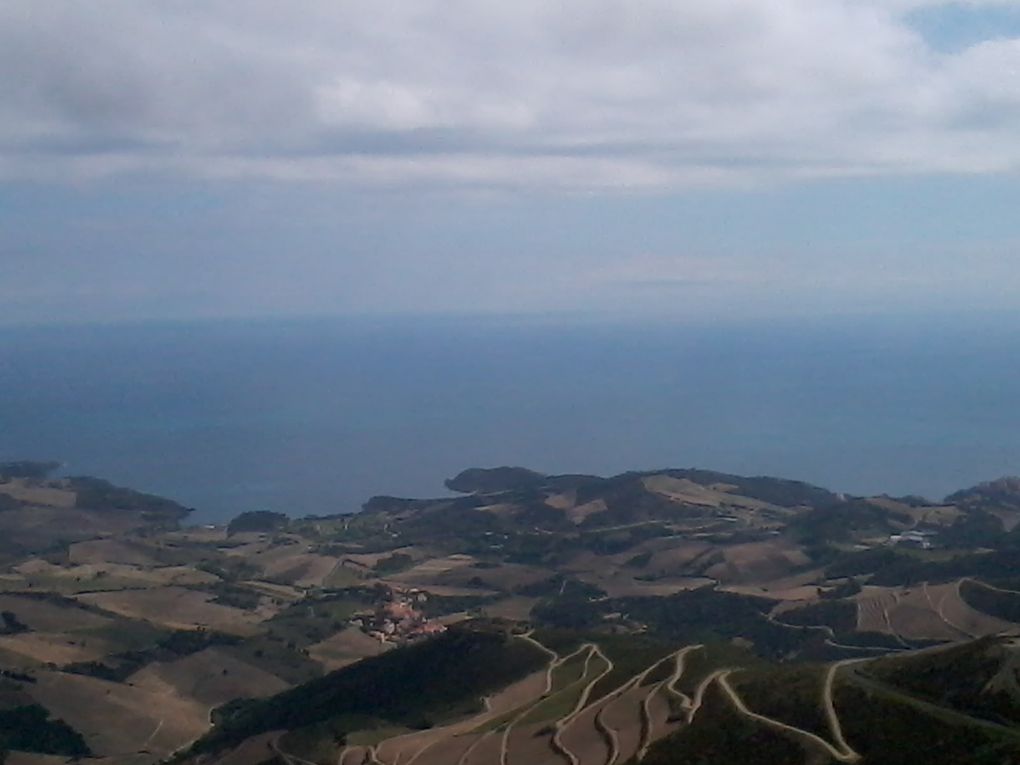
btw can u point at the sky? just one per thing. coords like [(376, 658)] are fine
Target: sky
[(650, 158)]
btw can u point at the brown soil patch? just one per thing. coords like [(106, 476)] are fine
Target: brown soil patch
[(690, 493), (176, 608), (368, 560), (624, 586), (405, 747), (254, 750), (293, 564), (757, 562), (528, 746), (48, 496), (939, 515), (968, 620), (563, 501), (507, 576), (677, 557), (659, 712), (586, 560), (584, 740), (99, 576), (210, 677), (795, 596), (37, 526), (514, 608), (577, 514), (46, 616), (623, 714), (455, 737), (355, 755), (914, 618), (344, 648), (501, 509), (198, 534), (282, 592), (487, 752), (56, 647), (518, 694), (873, 603), (933, 612), (111, 551), (428, 569), (118, 719), (448, 751)]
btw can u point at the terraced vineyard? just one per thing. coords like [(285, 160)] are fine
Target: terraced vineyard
[(553, 716), (672, 710)]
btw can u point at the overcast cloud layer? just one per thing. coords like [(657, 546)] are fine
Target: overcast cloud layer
[(713, 159), (577, 94)]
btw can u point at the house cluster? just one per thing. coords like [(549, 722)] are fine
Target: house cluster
[(920, 539), (396, 619)]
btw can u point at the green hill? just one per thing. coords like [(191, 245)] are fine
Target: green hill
[(952, 706), (416, 686)]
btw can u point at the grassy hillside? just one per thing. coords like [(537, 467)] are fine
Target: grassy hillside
[(991, 600), (939, 708), (30, 729), (888, 730), (719, 735), (416, 686), (978, 678)]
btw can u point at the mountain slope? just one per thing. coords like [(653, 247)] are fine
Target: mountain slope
[(417, 686)]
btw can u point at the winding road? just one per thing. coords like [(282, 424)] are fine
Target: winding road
[(668, 685), (839, 749), (830, 635), (582, 702), (556, 662), (841, 753), (939, 610)]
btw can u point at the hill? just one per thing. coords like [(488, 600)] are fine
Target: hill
[(528, 618), (417, 686), (871, 712), (41, 514)]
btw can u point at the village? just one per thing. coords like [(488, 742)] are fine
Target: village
[(395, 619)]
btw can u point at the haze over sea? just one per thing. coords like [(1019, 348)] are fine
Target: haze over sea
[(315, 416)]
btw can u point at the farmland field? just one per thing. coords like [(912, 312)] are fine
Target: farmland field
[(175, 608)]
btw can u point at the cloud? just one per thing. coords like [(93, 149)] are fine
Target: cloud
[(599, 94), (680, 272)]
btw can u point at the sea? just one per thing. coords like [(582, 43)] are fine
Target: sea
[(314, 416)]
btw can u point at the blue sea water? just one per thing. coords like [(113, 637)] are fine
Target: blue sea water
[(316, 416)]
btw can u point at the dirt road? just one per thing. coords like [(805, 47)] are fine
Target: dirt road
[(839, 754)]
